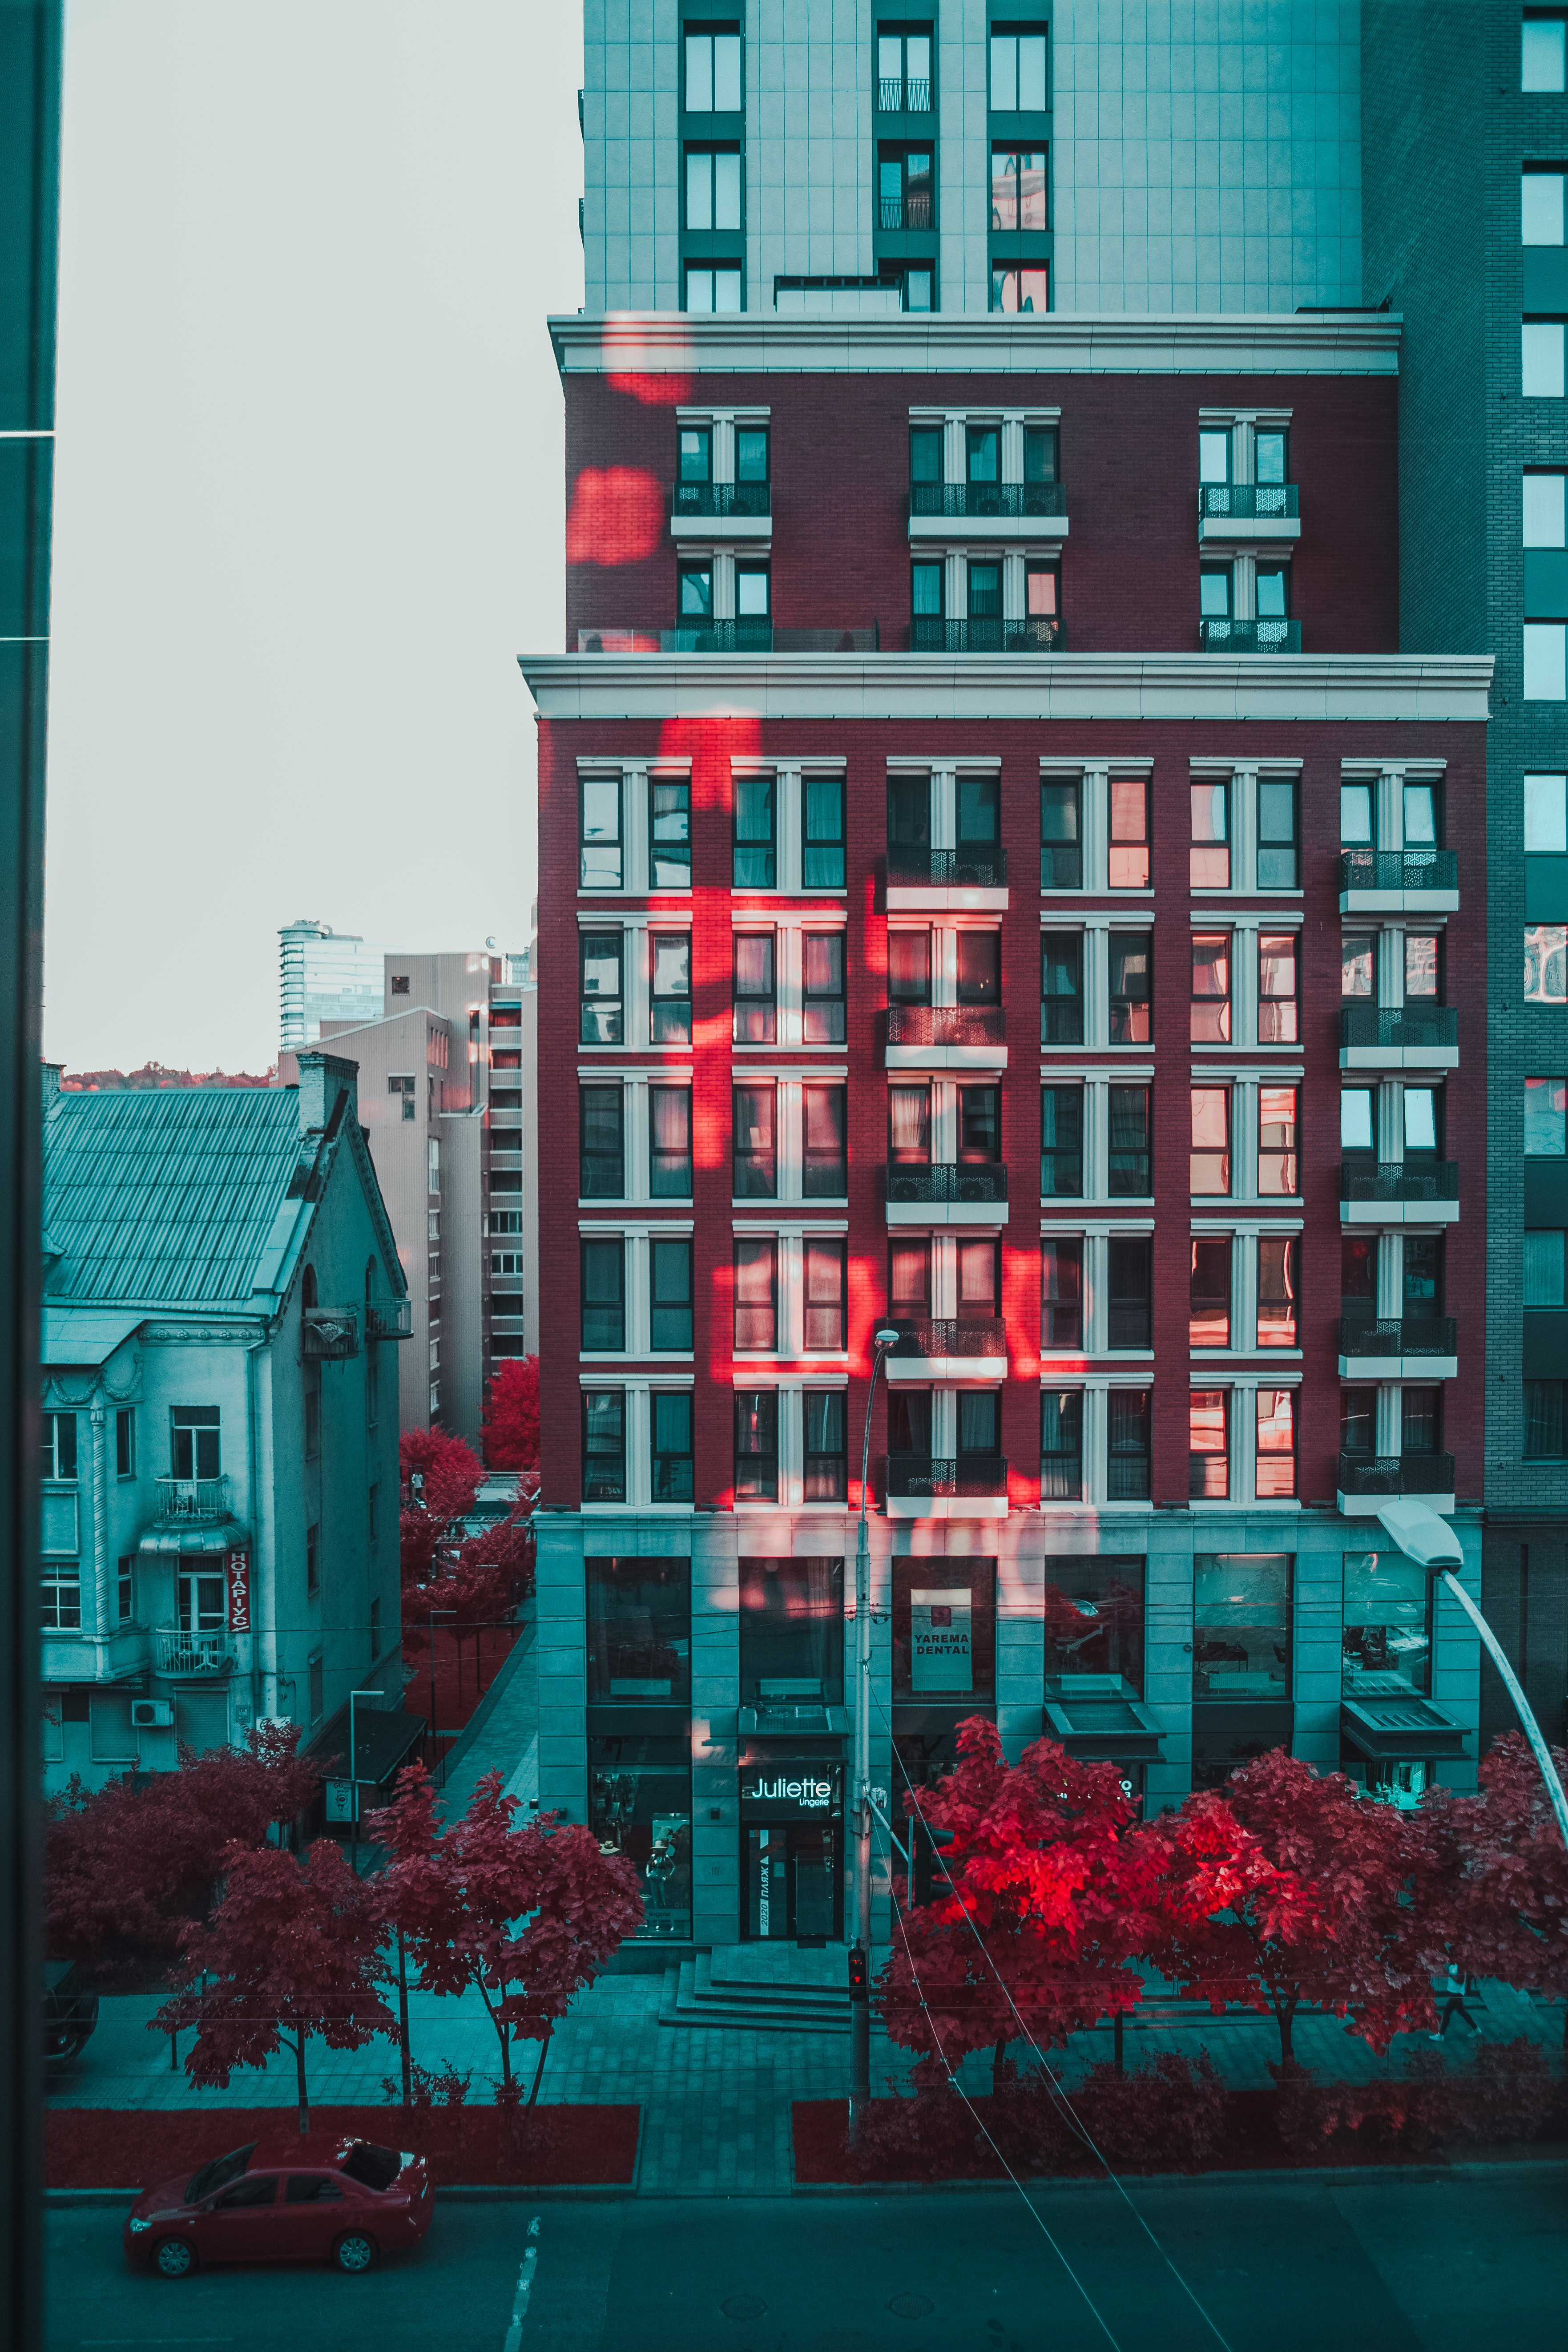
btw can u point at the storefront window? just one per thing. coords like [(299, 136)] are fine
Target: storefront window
[(639, 1804), (1094, 1620), (792, 1630), (1241, 1625), (945, 1629), (639, 1632), (1388, 1625), (792, 1807)]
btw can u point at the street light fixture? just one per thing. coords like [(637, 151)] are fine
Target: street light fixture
[(861, 1951)]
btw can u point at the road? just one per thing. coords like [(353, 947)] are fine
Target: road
[(1456, 2265)]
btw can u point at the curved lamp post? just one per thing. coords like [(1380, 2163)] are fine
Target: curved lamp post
[(861, 1951)]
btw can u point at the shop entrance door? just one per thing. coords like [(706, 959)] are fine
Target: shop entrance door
[(792, 1881)]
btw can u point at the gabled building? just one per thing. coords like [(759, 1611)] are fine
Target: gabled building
[(219, 1526)]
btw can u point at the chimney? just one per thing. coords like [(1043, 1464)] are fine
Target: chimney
[(51, 1071), (328, 1088)]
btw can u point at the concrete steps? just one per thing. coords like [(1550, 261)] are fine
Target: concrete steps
[(749, 1988)]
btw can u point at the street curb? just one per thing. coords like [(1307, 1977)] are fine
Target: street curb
[(1320, 2176), (505, 2193)]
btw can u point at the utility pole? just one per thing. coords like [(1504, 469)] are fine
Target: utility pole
[(860, 1950)]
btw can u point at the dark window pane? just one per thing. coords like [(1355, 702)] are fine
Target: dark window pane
[(1061, 1142), (670, 1142), (791, 1610), (1241, 1625), (1061, 988), (825, 1173), (1094, 1621), (639, 1632), (1061, 1446), (1130, 1265), (1127, 1454), (1129, 1109)]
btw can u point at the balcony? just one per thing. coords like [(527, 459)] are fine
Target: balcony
[(974, 1193), (902, 97), (182, 1654), (1399, 881), (1036, 511), (1399, 1192), (1395, 1347), (191, 1502), (389, 1319), (1367, 1481), (1248, 514), (940, 1347), (330, 1333), (946, 1037), (915, 212), (987, 634), (974, 874), (743, 510), (1249, 637), (1399, 1037), (923, 1486), (730, 637)]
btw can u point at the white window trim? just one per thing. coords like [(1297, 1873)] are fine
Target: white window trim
[(1388, 779), (636, 777), (634, 1131), (1096, 1079), (637, 1433), (789, 1132), (788, 930), (789, 1239), (791, 1389), (788, 770), (1094, 773)]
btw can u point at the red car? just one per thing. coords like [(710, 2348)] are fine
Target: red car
[(286, 2200)]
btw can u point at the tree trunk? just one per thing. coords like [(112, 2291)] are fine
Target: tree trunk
[(539, 2070), (299, 2079), (402, 2013), (997, 2057), (1121, 2054), (1285, 2012)]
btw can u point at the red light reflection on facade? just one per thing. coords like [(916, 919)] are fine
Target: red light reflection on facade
[(616, 516)]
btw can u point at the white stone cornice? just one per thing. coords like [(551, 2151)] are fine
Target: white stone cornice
[(978, 687), (1058, 343)]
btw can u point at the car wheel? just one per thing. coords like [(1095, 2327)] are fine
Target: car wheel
[(176, 2258), (355, 2251)]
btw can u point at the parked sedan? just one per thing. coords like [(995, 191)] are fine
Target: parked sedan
[(306, 2199)]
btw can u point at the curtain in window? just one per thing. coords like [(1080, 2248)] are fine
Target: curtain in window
[(910, 1115)]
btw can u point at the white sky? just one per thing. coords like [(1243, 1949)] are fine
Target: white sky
[(308, 497)]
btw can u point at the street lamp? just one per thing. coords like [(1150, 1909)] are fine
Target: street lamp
[(861, 1951), (354, 1778)]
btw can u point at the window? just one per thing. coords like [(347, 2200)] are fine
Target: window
[(602, 1021), (1209, 1443), (1019, 189), (669, 954), (125, 1590), (1021, 288), (1275, 1464), (694, 595), (1040, 601), (639, 1630), (1546, 964), (599, 833), (194, 1441), (753, 599), (1546, 815), (1421, 953), (909, 1127), (756, 1010), (1209, 857), (603, 1297), (1128, 1171), (756, 1446), (59, 1454), (1208, 1321), (405, 1089), (904, 188), (1421, 1419), (506, 1262), (1356, 817), (1543, 1268), (433, 1166), (1358, 1422), (1270, 455), (926, 596), (670, 1414), (313, 1411), (1061, 1293), (125, 1441), (1018, 69), (979, 1424), (601, 1174), (604, 1445), (1276, 1289), (1278, 866), (1211, 1139), (1129, 1321), (1131, 987), (909, 1281), (60, 1597), (400, 983), (1278, 989), (1213, 454), (1061, 833), (1358, 1276), (826, 1447), (1543, 1118), (979, 812), (945, 1629), (909, 1423), (984, 588), (1061, 1448), (669, 1143), (979, 967), (822, 1015), (713, 71), (979, 1125), (1129, 865), (1546, 1421), (669, 1297), (824, 1263), (756, 1144), (1273, 592), (694, 454), (1276, 1155), (712, 189), (822, 832), (903, 73), (197, 1604), (1542, 55), (1541, 363), (1210, 1021), (983, 453), (1213, 592), (909, 966), (1387, 1646), (755, 863), (756, 1297), (669, 834), (825, 1174), (1358, 964), (1126, 1448), (639, 1804), (1061, 988), (979, 1281), (1541, 207), (1241, 1625), (925, 454), (1061, 1143), (712, 290)]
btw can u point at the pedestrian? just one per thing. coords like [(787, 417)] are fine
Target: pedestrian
[(1456, 1989)]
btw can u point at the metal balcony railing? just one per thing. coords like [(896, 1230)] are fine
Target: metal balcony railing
[(719, 499), (946, 1025), (930, 634), (389, 1319), (941, 1181), (1399, 1025), (1409, 1335), (182, 1653), (1249, 637), (1249, 502), (896, 96), (979, 866), (917, 1477), (1399, 869), (969, 500), (1397, 1473), (934, 1338), (191, 1498), (1399, 1179), (329, 1332), (907, 212), (730, 637)]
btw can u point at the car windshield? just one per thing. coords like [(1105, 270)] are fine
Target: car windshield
[(372, 2168), (218, 2174)]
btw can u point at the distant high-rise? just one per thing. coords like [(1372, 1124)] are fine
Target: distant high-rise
[(324, 975)]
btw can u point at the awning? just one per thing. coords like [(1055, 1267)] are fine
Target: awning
[(383, 1737), (1421, 1534), (84, 1334), (1104, 1723), (792, 1719), (211, 1537), (1401, 1730)]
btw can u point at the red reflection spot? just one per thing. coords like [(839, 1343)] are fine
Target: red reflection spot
[(653, 391), (711, 741), (616, 516)]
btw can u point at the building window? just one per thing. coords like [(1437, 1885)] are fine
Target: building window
[(400, 983), (1126, 1448), (905, 189), (1209, 861), (1276, 1444), (60, 1597), (1541, 56), (1094, 1621), (822, 832), (599, 834), (604, 1445), (670, 958), (433, 1165), (1388, 1645), (1358, 965), (1210, 1020), (1018, 69), (313, 1411), (755, 1008), (713, 288), (909, 966), (125, 1590), (1278, 1020), (1208, 1316), (1241, 1625), (1211, 1140), (1543, 1268), (1128, 1171), (1209, 1443), (1279, 865), (753, 595), (712, 189), (756, 1298), (602, 1018), (639, 1632), (694, 595), (194, 1441), (192, 1599), (1543, 1118), (1421, 1419), (669, 1297), (1129, 863), (1541, 366), (1546, 964), (669, 834), (826, 1447), (1061, 1446), (59, 1452), (823, 1271), (1131, 987), (1276, 1289), (1273, 592), (1214, 591), (1019, 189), (1129, 1291), (822, 1014), (1061, 1293), (669, 1143), (756, 1446), (909, 1127), (1061, 833), (713, 71), (601, 1174), (639, 1804), (1061, 1143), (371, 1506), (755, 860), (1546, 1421), (673, 1469), (979, 1281), (1061, 988), (979, 961), (1356, 817), (1358, 1422), (909, 1281), (1021, 288), (903, 73), (405, 1089), (1277, 1139), (603, 1297), (1422, 951), (316, 1684), (824, 1175), (125, 1441), (979, 1126), (927, 602)]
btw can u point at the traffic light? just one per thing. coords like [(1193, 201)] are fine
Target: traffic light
[(860, 1973), (931, 1877)]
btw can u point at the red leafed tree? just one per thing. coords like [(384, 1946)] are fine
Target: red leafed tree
[(1288, 1886), (127, 1868), (457, 1894), (292, 1952), (431, 1520), (512, 1415), (1054, 1892), (1510, 1893)]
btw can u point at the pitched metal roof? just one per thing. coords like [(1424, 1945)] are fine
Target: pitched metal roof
[(82, 1334)]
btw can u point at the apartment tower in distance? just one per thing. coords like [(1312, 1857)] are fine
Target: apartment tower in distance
[(1005, 883)]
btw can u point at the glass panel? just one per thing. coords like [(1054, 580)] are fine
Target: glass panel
[(1061, 1142), (754, 853), (1387, 1625), (670, 1142), (1544, 1103), (1127, 1452), (1039, 453), (1421, 963), (756, 1318), (1357, 962), (753, 595), (1213, 592), (979, 967), (1273, 592), (604, 1447), (670, 1296), (1209, 861), (979, 810), (979, 1124), (1061, 988), (1543, 1268), (1241, 1625), (1420, 1120), (925, 453), (1094, 1621), (639, 1804), (1129, 867), (1131, 987), (601, 821), (909, 966), (1358, 1421), (1208, 1322), (1276, 1287), (756, 1159), (1355, 1119), (602, 1173), (1355, 815), (669, 848), (1268, 457), (1546, 1421), (821, 860), (1211, 1139), (726, 73), (823, 1268), (1276, 989), (671, 1005), (908, 1280), (1061, 1446), (750, 450), (826, 1460), (792, 1626), (945, 1629), (925, 591), (1129, 1169), (1276, 1466), (823, 975), (985, 592), (984, 453), (1061, 1293), (978, 1269), (1211, 988), (979, 1420), (1420, 1419), (1541, 54), (1541, 207), (827, 1167), (1214, 456), (1276, 1138), (754, 1015), (696, 585), (672, 1463), (1208, 1442), (1129, 1263), (1421, 815), (604, 1297), (909, 1126), (756, 1446), (1546, 815), (1061, 853), (1276, 868), (1546, 964)]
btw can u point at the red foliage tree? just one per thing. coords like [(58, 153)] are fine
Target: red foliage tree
[(432, 1516), (291, 1951), (1054, 1893), (1511, 1871), (512, 1415), (1288, 1887), (457, 1894), (127, 1868)]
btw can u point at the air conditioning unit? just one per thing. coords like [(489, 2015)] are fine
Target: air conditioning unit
[(152, 1715)]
